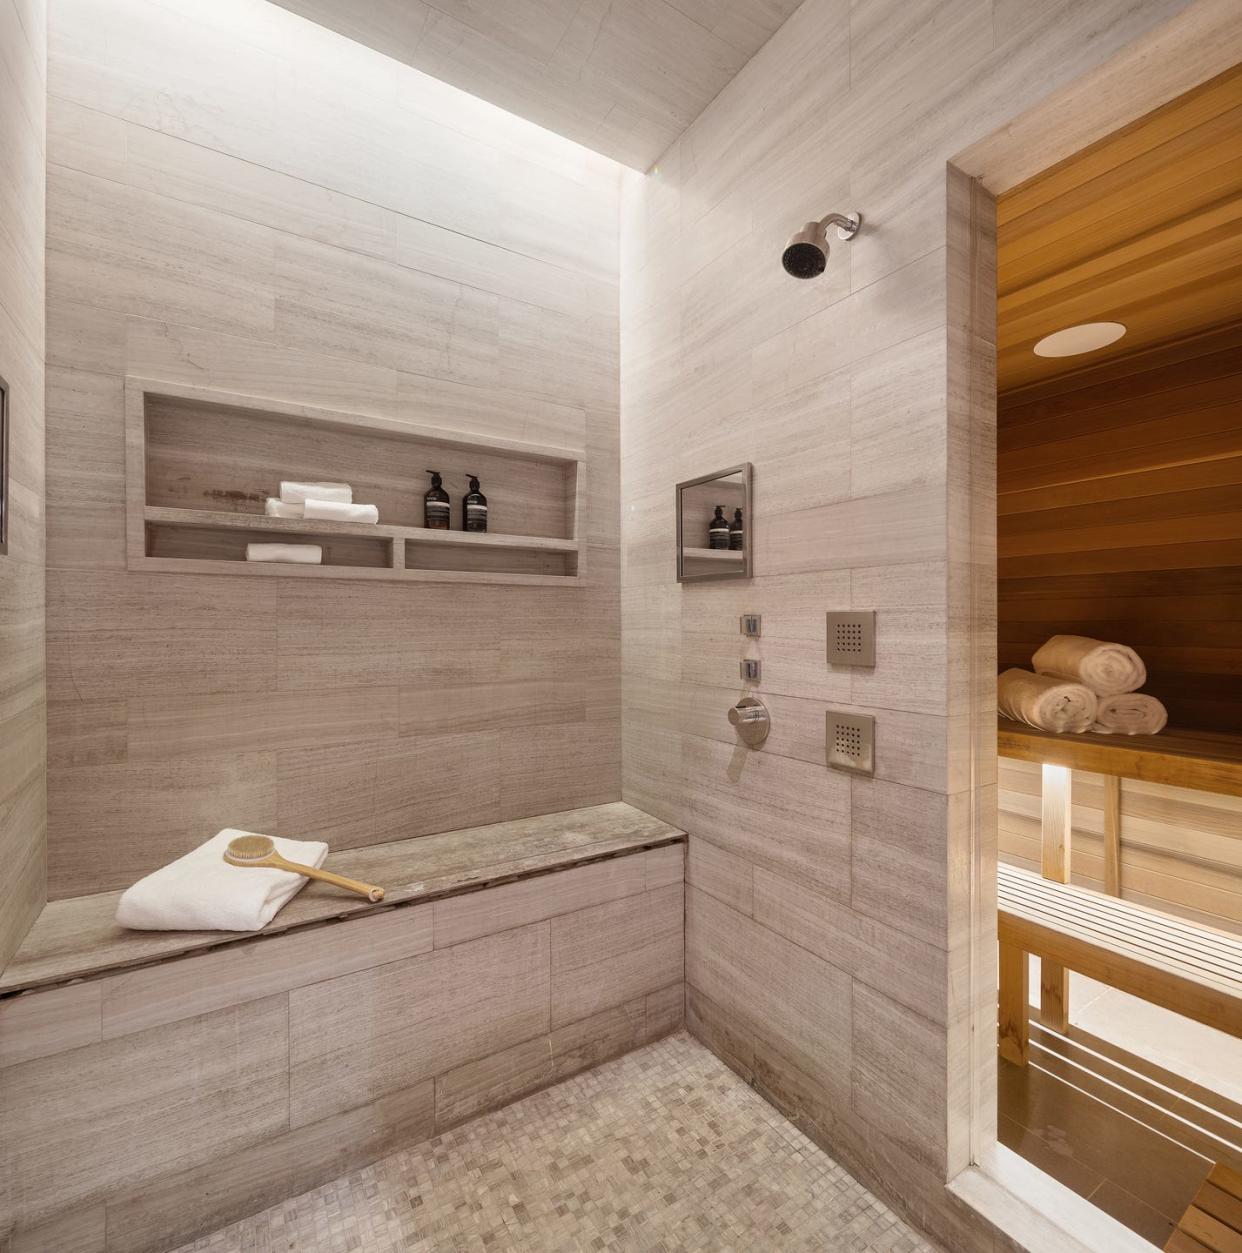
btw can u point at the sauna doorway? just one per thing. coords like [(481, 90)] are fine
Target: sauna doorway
[(1119, 518)]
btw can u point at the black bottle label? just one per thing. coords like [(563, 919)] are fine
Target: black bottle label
[(718, 536), (436, 514), (476, 517), (736, 539)]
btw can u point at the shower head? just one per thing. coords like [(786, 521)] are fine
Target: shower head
[(806, 254)]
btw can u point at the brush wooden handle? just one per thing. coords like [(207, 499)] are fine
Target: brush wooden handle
[(369, 890)]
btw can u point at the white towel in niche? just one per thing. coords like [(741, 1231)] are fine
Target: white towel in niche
[(282, 509), (295, 493), (298, 554), (202, 892), (337, 511)]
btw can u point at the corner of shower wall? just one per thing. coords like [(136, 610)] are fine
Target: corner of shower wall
[(23, 705)]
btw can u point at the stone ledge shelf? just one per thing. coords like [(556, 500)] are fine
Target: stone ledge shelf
[(78, 937)]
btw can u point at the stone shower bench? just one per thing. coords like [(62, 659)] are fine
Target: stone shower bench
[(155, 1086)]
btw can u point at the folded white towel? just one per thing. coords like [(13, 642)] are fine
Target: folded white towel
[(294, 493), (1045, 702), (1130, 713), (1107, 669), (337, 511), (299, 554), (280, 509), (202, 892)]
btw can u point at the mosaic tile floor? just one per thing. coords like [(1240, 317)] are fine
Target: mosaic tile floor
[(662, 1150)]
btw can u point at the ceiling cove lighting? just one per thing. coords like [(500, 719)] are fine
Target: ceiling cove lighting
[(1086, 337)]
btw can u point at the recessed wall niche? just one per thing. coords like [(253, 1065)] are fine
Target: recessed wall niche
[(202, 464)]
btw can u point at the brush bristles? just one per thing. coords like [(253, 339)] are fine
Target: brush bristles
[(251, 847)]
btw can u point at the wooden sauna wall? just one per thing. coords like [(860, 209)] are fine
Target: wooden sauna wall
[(1120, 503)]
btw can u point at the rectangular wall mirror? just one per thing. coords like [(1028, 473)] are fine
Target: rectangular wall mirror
[(714, 539)]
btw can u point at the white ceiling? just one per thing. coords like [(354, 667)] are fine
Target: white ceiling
[(624, 77)]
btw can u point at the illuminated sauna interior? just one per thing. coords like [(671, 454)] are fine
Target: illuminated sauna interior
[(1120, 518)]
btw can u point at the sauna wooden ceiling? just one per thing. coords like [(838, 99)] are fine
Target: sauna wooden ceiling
[(624, 77), (1142, 228)]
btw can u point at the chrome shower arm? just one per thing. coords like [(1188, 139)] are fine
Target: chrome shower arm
[(847, 224)]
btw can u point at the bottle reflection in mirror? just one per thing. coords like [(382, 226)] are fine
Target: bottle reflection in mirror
[(737, 532), (718, 530)]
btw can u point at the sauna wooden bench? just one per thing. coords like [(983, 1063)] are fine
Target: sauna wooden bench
[(78, 938), (1204, 760), (1193, 970), (1213, 1221)]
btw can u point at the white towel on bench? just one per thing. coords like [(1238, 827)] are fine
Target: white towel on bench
[(1107, 669), (1130, 713), (202, 892), (1045, 702)]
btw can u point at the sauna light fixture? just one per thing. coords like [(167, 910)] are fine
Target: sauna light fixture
[(1086, 337), (806, 254)]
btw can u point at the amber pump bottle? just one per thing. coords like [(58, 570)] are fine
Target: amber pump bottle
[(436, 504), (737, 532), (474, 508), (718, 530)]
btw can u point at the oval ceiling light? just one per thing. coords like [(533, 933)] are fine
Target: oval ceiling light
[(1086, 337)]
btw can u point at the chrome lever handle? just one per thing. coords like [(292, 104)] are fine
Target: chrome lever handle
[(750, 717)]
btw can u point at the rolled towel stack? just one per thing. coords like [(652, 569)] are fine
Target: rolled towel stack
[(1107, 669), (325, 502), (1045, 702), (1074, 665), (1130, 713)]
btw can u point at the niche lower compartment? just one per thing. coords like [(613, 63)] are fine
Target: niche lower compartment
[(495, 557), (207, 541), (194, 542)]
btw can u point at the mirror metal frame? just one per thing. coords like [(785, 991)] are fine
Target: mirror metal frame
[(748, 536), (4, 468)]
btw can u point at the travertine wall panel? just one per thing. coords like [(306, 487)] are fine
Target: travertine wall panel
[(828, 947), (23, 753), (241, 199)]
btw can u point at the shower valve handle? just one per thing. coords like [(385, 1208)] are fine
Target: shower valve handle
[(750, 717)]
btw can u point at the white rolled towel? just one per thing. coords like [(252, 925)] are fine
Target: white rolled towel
[(1130, 713), (1045, 702), (280, 509), (202, 892), (337, 511), (1107, 669), (298, 554), (295, 493)]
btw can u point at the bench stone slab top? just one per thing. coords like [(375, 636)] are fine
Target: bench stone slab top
[(78, 937)]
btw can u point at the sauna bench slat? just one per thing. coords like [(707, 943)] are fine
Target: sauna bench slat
[(1208, 761), (78, 937)]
